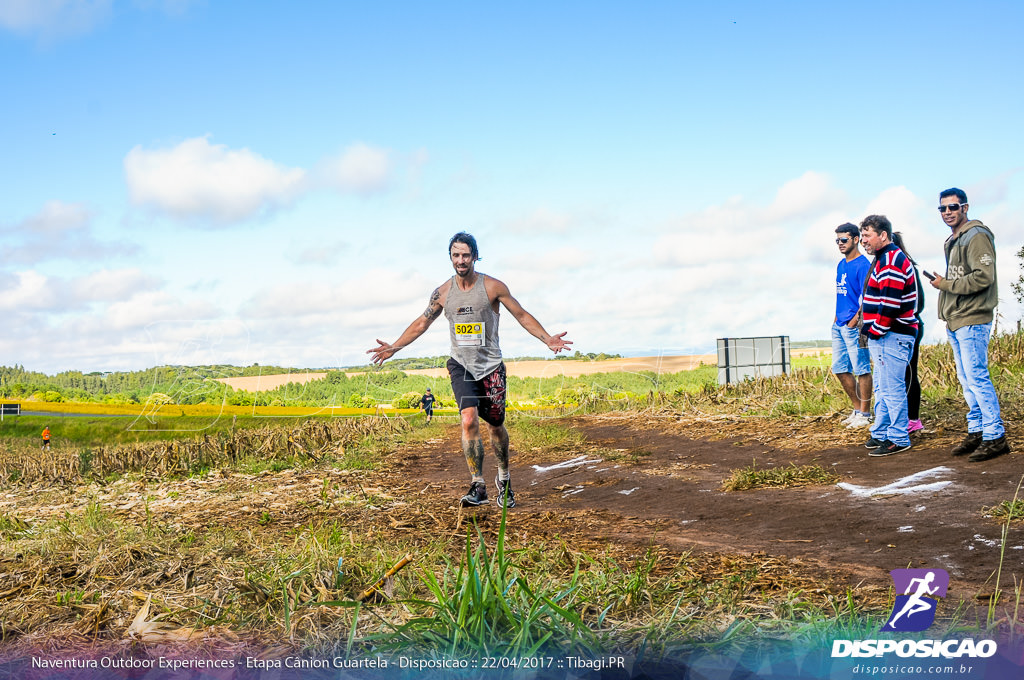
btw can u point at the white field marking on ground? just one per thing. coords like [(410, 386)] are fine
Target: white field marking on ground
[(907, 485), (571, 492), (578, 460), (905, 530), (948, 564), (987, 541), (920, 508), (626, 492)]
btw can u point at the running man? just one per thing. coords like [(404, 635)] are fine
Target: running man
[(427, 402), (46, 438), (470, 302)]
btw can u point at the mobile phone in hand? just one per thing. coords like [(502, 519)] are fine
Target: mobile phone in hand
[(931, 277)]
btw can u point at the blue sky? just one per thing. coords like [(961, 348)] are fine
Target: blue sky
[(194, 182)]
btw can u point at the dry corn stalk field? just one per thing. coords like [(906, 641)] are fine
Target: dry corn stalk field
[(312, 440)]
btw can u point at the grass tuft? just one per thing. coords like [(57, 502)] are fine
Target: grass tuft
[(1007, 510), (792, 475), (485, 605)]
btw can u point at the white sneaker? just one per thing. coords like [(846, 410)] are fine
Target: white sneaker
[(847, 419), (858, 420)]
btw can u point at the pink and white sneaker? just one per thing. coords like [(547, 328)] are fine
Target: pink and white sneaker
[(914, 426)]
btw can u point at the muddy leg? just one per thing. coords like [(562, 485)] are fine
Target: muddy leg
[(473, 443), (499, 441)]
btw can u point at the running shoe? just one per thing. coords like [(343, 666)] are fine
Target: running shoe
[(873, 443), (847, 419), (477, 495), (857, 421), (914, 426), (888, 448), (506, 498)]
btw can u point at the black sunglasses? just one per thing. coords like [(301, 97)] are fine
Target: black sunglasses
[(952, 207), (843, 239)]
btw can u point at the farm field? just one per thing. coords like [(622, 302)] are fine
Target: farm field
[(221, 555), (255, 538), (522, 369)]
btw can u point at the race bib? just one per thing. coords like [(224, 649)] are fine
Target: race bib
[(469, 334)]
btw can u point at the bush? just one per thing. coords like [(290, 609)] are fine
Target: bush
[(408, 400)]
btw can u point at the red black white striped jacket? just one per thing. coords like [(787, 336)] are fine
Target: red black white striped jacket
[(890, 296)]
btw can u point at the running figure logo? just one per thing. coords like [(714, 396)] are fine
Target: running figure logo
[(914, 610)]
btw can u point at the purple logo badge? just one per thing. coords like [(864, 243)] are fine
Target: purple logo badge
[(914, 610)]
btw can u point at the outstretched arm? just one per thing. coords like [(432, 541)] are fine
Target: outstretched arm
[(556, 343), (383, 351)]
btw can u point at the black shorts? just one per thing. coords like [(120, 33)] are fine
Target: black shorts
[(487, 395)]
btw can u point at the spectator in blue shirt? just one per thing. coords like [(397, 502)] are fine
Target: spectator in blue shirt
[(851, 363)]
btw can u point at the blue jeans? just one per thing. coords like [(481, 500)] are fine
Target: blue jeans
[(847, 356), (891, 355), (970, 351)]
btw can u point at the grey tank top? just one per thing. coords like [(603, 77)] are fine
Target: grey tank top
[(474, 328)]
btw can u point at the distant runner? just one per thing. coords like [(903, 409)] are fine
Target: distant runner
[(46, 438), (427, 402), (470, 302)]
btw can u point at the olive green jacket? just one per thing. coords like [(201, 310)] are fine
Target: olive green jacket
[(968, 295)]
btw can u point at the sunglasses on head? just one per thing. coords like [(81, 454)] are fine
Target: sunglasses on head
[(843, 240), (952, 207)]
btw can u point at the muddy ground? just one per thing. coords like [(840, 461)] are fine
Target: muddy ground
[(658, 480)]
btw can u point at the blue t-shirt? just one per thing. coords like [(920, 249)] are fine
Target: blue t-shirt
[(850, 277)]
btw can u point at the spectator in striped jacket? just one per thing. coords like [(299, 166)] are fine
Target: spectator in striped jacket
[(890, 324)]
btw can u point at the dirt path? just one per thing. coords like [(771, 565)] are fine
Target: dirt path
[(922, 508)]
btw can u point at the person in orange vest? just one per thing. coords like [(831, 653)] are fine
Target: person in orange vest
[(46, 438)]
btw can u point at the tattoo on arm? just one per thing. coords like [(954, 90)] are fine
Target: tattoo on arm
[(433, 309)]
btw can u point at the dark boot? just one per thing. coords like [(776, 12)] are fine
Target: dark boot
[(968, 445), (990, 449)]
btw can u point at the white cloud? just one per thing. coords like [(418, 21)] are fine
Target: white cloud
[(57, 217), (107, 285), (196, 179), (58, 231), (373, 291), (29, 291), (322, 253), (145, 308), (805, 196), (52, 19), (737, 230), (566, 258), (359, 169), (819, 239), (990, 190), (541, 221)]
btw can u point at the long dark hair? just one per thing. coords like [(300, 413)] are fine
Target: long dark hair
[(897, 238)]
